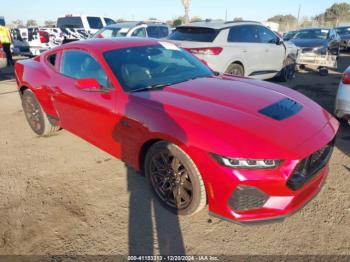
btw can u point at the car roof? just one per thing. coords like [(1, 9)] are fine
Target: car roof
[(218, 24), (315, 28), (100, 45), (134, 23)]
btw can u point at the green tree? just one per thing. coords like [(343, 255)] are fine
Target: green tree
[(237, 19), (50, 23), (18, 23), (337, 13), (196, 19), (286, 22), (31, 22), (177, 21)]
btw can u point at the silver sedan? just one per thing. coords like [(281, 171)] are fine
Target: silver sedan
[(342, 102)]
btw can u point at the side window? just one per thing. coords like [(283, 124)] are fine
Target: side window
[(109, 21), (52, 59), (266, 36), (243, 34), (140, 32), (152, 31), (79, 65), (94, 22), (163, 31)]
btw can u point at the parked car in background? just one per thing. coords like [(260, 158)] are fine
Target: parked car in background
[(3, 60), (238, 144), (289, 35), (317, 40), (137, 29), (342, 102), (238, 48), (2, 20), (344, 33), (56, 35), (91, 24), (77, 27), (30, 41)]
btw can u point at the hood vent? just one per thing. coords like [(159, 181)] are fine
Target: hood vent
[(282, 110)]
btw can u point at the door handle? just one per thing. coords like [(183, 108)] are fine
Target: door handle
[(244, 50)]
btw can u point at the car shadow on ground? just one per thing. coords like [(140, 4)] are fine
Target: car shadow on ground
[(323, 90), (152, 228), (7, 74)]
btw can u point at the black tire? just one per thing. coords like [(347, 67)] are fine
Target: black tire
[(288, 71), (323, 71), (175, 179), (235, 70), (35, 115)]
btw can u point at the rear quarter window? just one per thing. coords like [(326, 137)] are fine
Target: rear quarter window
[(94, 22), (194, 34)]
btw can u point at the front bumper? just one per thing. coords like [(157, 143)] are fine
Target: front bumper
[(274, 197), (342, 102), (317, 60), (345, 44)]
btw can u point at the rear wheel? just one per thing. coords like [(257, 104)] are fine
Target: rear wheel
[(235, 69), (175, 179), (35, 115)]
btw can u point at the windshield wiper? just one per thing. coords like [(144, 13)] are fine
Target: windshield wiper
[(151, 87)]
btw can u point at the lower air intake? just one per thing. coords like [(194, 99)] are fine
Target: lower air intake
[(246, 198)]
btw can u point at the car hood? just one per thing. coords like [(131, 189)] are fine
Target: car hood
[(228, 108), (309, 42)]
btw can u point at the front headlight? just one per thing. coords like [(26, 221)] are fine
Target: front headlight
[(320, 50), (247, 163)]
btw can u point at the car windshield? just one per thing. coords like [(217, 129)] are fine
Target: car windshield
[(156, 65), (111, 32), (343, 30), (312, 34)]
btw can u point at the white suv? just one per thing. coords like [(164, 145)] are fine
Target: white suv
[(91, 24), (239, 48), (135, 29)]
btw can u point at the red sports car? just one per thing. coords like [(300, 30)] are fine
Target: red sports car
[(251, 150)]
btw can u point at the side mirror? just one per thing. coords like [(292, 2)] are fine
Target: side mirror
[(88, 84), (279, 41)]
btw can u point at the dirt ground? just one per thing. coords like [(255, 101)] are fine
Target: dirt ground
[(61, 195)]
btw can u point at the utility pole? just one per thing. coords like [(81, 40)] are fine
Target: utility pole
[(298, 16), (186, 4), (226, 16)]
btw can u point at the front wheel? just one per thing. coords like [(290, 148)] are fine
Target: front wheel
[(235, 70), (288, 71), (175, 179), (35, 115)]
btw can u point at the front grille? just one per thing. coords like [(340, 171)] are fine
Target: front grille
[(307, 50), (24, 49), (309, 167), (246, 198)]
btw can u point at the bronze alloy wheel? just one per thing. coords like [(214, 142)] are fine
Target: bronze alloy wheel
[(170, 180), (33, 114)]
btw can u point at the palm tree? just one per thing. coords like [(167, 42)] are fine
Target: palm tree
[(186, 4)]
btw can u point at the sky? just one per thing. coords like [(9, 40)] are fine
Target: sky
[(258, 10)]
